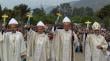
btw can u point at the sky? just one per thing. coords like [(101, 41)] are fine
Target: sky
[(32, 3)]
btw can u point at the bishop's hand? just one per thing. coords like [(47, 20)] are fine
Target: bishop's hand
[(99, 47), (51, 36), (23, 56)]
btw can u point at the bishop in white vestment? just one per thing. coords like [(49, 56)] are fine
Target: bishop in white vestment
[(63, 42), (39, 49), (14, 44), (96, 45)]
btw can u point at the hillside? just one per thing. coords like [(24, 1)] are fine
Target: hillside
[(95, 4)]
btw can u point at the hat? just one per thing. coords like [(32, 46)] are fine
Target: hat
[(96, 26), (40, 23), (13, 21), (66, 19)]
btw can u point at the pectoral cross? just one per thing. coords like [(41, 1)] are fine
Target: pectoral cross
[(88, 23), (4, 18)]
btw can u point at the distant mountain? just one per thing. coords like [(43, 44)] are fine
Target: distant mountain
[(48, 9), (95, 4)]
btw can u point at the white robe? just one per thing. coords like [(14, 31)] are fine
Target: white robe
[(1, 46), (52, 50), (108, 55), (92, 53), (30, 37), (39, 48), (63, 45), (14, 46), (108, 52), (83, 43)]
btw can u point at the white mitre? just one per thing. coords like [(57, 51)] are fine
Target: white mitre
[(96, 26), (13, 21), (66, 19), (40, 23)]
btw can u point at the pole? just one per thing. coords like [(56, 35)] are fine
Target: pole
[(29, 15)]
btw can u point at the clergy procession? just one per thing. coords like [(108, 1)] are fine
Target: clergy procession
[(60, 43)]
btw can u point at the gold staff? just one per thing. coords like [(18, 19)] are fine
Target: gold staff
[(4, 18)]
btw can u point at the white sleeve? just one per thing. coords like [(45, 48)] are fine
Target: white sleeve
[(87, 49), (23, 45), (76, 42), (48, 48), (104, 44), (1, 37)]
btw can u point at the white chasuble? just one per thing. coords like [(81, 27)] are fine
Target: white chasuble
[(92, 53), (41, 48), (1, 46), (15, 46), (63, 45)]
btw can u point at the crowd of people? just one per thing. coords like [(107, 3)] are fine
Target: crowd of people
[(44, 42)]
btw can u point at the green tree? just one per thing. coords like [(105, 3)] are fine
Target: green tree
[(38, 14), (75, 12), (20, 12), (104, 15), (82, 11), (104, 12), (8, 12), (89, 11), (66, 9), (55, 10)]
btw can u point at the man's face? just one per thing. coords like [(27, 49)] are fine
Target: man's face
[(13, 27), (97, 32), (66, 26), (40, 29)]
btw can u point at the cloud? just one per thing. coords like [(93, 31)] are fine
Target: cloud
[(32, 3)]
